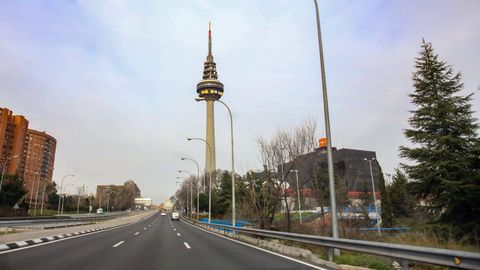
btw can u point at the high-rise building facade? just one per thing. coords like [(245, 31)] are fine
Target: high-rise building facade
[(40, 158), (210, 89), (13, 141), (25, 152)]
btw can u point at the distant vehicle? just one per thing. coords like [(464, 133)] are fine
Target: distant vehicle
[(163, 214), (175, 216), (100, 211)]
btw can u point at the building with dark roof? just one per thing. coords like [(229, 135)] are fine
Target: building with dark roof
[(351, 169)]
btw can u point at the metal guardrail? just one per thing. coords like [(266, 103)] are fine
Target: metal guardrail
[(443, 257), (58, 220)]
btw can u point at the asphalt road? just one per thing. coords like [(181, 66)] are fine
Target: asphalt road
[(154, 243)]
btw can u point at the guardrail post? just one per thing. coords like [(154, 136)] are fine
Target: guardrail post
[(330, 254)]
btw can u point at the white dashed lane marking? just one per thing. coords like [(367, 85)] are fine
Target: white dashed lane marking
[(186, 245), (136, 233), (118, 244), (178, 234)]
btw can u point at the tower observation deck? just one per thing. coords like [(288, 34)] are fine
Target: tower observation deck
[(210, 88)]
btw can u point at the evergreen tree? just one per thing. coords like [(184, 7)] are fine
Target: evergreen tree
[(12, 191), (401, 200), (224, 197), (443, 134), (386, 205)]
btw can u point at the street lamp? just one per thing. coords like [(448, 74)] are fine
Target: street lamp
[(374, 196), (61, 190), (198, 186), (298, 195), (234, 215), (210, 180), (331, 180), (3, 170), (191, 191)]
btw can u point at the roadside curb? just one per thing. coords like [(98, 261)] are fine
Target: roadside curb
[(14, 245), (32, 242)]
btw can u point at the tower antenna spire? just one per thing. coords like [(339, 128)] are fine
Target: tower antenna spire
[(210, 56)]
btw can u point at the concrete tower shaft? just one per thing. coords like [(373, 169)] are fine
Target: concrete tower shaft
[(210, 155), (210, 89)]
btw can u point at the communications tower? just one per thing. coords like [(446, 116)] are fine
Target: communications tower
[(210, 89)]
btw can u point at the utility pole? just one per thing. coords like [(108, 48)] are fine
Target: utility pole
[(374, 196), (298, 196), (36, 197), (43, 198), (331, 180)]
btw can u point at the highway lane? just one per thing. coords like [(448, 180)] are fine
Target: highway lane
[(154, 243)]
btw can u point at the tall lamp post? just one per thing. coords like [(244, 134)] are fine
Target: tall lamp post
[(298, 195), (210, 180), (61, 190), (191, 190), (198, 186), (374, 196), (3, 170), (234, 214), (331, 180)]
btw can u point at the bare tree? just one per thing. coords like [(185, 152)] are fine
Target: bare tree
[(284, 152), (260, 197)]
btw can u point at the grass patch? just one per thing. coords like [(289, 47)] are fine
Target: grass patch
[(53, 212), (364, 261)]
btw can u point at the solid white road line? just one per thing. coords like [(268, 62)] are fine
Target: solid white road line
[(118, 244), (178, 234), (186, 245), (136, 233), (255, 247)]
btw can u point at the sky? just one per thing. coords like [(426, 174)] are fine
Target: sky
[(114, 81)]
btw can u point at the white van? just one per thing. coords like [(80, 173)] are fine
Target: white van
[(175, 216), (100, 211)]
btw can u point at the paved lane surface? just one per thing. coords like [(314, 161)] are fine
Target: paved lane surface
[(153, 243)]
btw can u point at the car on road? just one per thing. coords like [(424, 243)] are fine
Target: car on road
[(163, 214), (175, 216), (100, 211)]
